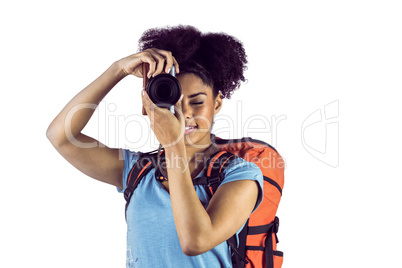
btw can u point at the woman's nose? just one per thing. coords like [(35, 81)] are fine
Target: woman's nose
[(186, 110)]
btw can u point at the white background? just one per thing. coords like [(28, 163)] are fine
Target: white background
[(303, 55)]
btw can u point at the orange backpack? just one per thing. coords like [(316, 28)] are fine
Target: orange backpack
[(257, 245)]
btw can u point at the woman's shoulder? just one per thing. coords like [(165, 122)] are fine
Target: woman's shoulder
[(130, 156), (240, 169), (240, 163)]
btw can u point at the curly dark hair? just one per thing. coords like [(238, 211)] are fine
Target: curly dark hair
[(217, 58)]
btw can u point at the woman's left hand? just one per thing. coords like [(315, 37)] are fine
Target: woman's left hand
[(169, 128)]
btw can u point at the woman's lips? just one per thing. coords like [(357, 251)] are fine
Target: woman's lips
[(189, 129)]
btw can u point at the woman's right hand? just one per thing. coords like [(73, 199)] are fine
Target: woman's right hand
[(159, 60)]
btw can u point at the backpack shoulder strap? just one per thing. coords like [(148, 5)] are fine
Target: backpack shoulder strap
[(214, 168), (146, 161)]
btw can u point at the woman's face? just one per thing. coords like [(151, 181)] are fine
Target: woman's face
[(199, 107)]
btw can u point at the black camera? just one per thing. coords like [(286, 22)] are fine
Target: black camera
[(164, 89)]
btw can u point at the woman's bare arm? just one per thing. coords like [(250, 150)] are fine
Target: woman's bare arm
[(85, 153)]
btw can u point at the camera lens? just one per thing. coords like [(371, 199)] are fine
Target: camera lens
[(164, 90)]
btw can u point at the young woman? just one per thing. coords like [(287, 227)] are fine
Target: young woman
[(171, 223)]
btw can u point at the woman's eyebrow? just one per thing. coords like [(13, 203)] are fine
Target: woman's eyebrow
[(196, 94)]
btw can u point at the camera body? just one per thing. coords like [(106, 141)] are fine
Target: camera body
[(164, 89)]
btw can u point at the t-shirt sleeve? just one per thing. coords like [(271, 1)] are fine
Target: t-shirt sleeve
[(240, 169), (130, 158)]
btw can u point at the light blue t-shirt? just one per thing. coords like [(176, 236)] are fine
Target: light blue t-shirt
[(152, 239)]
